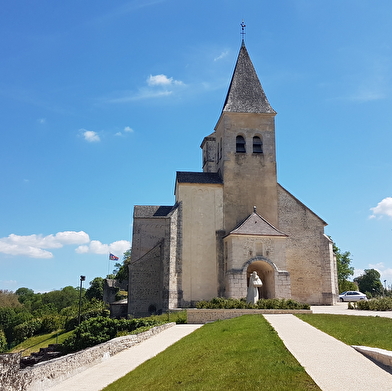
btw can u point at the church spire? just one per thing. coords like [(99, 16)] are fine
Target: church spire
[(246, 95)]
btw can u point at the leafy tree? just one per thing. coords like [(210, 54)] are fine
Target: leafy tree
[(24, 294), (370, 283), (8, 299), (96, 289), (59, 299), (344, 269), (122, 271)]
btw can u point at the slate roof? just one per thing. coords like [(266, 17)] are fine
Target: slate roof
[(257, 225), (152, 210), (246, 95), (198, 177)]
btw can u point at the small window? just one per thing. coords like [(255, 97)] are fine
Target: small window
[(240, 145), (257, 145)]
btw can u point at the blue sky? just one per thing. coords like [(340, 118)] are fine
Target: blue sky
[(102, 102)]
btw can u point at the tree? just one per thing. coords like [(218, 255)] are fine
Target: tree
[(96, 289), (370, 283), (344, 269), (25, 296), (8, 299), (121, 271)]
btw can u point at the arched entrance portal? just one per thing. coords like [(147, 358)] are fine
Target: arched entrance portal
[(267, 276)]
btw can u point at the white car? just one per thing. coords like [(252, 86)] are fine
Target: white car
[(352, 296)]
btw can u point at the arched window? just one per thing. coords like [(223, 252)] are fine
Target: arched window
[(240, 145), (257, 145)]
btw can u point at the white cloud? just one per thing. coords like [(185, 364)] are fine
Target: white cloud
[(96, 247), (144, 93), (90, 136), (157, 86), (384, 207), (127, 129), (162, 80), (34, 246), (42, 121), (222, 55)]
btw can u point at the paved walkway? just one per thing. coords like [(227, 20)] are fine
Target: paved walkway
[(333, 365), (108, 371)]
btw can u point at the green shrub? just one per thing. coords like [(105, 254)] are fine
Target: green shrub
[(380, 304), (220, 302), (51, 323), (94, 331), (26, 330), (71, 323)]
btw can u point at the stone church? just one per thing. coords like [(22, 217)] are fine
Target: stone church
[(230, 220)]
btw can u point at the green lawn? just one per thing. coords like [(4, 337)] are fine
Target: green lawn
[(33, 344), (372, 331), (238, 354)]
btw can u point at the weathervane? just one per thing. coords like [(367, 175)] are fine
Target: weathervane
[(243, 25)]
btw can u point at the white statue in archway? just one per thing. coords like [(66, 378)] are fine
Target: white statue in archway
[(253, 291)]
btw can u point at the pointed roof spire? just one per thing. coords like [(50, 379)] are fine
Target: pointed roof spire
[(246, 95)]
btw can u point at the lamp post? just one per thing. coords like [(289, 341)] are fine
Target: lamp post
[(82, 278)]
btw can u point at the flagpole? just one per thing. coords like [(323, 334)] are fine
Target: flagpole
[(108, 263)]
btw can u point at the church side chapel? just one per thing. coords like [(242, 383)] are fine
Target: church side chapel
[(231, 220)]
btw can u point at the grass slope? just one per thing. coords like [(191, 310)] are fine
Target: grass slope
[(369, 331), (34, 344), (238, 354)]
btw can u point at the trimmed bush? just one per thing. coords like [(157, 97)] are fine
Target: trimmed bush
[(380, 304), (94, 331), (220, 302)]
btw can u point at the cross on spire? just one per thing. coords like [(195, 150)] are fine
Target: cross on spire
[(243, 25)]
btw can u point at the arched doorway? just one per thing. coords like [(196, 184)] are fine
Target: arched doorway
[(266, 273)]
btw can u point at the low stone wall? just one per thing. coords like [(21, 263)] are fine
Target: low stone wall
[(380, 355), (207, 315), (44, 375)]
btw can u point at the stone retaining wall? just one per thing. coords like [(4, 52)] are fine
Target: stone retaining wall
[(210, 315), (46, 374)]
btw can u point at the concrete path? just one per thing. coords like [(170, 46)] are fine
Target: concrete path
[(108, 371), (342, 309), (333, 365)]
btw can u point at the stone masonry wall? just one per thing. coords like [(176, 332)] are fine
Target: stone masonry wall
[(44, 375), (201, 316), (307, 253)]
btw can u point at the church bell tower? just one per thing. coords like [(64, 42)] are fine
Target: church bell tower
[(245, 156)]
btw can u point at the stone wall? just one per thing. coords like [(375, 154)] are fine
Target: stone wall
[(44, 375), (201, 316), (309, 258), (146, 283)]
